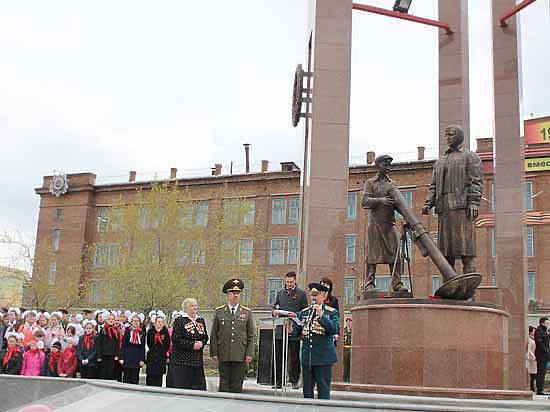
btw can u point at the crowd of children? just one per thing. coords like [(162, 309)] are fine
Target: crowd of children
[(104, 344)]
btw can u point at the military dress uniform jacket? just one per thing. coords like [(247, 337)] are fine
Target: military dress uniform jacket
[(232, 337), (317, 336)]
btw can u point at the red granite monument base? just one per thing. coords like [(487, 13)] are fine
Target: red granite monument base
[(432, 344)]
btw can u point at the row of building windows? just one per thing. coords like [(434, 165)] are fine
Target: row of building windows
[(529, 196)]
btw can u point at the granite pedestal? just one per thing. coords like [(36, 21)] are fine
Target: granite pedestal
[(429, 343)]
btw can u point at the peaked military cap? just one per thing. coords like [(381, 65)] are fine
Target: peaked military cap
[(233, 285), (315, 287), (383, 158)]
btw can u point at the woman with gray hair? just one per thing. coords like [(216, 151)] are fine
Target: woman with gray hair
[(189, 336)]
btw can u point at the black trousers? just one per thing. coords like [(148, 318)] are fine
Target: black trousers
[(87, 371), (541, 372), (117, 371), (153, 380), (320, 375), (131, 375), (107, 368), (231, 376), (346, 364), (532, 380), (294, 369)]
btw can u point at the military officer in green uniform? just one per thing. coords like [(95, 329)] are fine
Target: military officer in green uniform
[(232, 338), (347, 348), (319, 324)]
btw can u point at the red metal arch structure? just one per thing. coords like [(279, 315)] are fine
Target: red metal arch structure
[(442, 25)]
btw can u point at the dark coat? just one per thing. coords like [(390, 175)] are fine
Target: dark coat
[(156, 357), (317, 335), (46, 370), (542, 341), (184, 336), (464, 177), (132, 353), (293, 301), (107, 345), (89, 354), (13, 367)]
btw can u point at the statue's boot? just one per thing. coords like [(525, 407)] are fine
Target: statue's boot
[(399, 287), (468, 265)]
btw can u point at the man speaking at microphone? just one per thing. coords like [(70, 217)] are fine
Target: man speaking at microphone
[(319, 322)]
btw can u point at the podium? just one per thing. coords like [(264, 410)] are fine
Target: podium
[(271, 330)]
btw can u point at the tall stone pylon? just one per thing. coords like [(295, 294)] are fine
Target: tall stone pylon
[(509, 175), (326, 154)]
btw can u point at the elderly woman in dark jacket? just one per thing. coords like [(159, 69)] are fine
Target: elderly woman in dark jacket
[(158, 342), (11, 359), (189, 336)]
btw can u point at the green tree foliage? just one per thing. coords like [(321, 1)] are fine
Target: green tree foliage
[(161, 246)]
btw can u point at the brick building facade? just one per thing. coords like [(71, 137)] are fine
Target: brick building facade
[(71, 222)]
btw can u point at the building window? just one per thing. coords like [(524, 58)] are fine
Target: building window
[(277, 251), (435, 283), (409, 250), (245, 294), (406, 282), (350, 248), (293, 211), (248, 209), (239, 210), (408, 195), (246, 247), (492, 207), (278, 211), (191, 249), (528, 196), (493, 242), (53, 272), (58, 215), (93, 291), (531, 286), (103, 219), (352, 206), (201, 213), (273, 286), (349, 291), (530, 252), (382, 283), (56, 234), (106, 254), (292, 254), (228, 251), (493, 279)]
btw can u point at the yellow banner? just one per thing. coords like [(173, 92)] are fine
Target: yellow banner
[(537, 164)]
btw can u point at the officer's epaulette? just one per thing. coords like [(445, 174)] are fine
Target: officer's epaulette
[(329, 308), (220, 307), (245, 308)]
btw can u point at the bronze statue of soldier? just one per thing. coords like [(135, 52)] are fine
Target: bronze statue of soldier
[(455, 192), (382, 238)]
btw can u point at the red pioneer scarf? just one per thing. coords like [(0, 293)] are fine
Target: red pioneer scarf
[(88, 341), (111, 330), (8, 356), (54, 357), (159, 339), (135, 335)]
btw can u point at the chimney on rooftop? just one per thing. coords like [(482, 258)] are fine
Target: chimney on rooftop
[(217, 170), (370, 157), (421, 150), (265, 165), (132, 176), (173, 172), (247, 156)]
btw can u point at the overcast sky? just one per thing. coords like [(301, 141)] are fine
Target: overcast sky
[(111, 86)]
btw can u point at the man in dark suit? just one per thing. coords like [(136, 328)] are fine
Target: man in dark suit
[(292, 299), (232, 338), (542, 353)]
